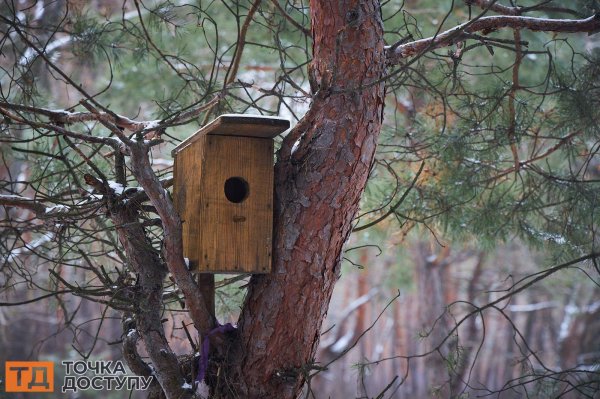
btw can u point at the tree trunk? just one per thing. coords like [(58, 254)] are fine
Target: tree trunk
[(317, 191)]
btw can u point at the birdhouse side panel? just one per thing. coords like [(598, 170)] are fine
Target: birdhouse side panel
[(236, 200), (188, 169)]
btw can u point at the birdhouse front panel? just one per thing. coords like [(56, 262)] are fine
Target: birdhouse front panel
[(236, 205), (223, 192)]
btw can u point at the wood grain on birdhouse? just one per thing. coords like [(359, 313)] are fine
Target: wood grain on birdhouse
[(223, 191)]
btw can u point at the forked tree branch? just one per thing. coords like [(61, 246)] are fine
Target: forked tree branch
[(173, 239), (487, 25)]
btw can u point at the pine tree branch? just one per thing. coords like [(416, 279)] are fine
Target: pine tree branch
[(508, 10), (67, 118), (173, 238), (523, 164), (486, 25), (12, 117), (22, 202), (165, 57), (46, 209), (492, 6), (232, 71), (193, 111), (37, 299), (241, 43), (40, 52), (58, 118)]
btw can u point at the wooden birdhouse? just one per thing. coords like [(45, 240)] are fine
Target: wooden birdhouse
[(223, 191)]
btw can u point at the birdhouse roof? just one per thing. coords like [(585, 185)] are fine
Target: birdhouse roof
[(239, 125)]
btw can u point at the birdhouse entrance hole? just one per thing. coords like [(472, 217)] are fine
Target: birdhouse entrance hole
[(236, 189)]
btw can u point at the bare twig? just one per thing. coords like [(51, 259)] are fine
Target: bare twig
[(396, 205), (290, 19)]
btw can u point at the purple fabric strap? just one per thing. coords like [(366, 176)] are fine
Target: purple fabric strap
[(203, 361)]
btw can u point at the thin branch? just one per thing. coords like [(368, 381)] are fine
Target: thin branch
[(290, 19), (39, 298), (241, 43), (63, 117), (22, 202), (347, 349), (148, 37), (492, 6), (52, 65), (67, 118), (516, 288), (58, 129), (546, 153), (232, 72), (186, 116), (396, 205), (519, 10), (487, 25)]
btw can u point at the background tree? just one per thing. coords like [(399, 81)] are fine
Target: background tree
[(475, 145)]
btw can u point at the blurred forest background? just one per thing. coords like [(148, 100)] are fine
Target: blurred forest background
[(450, 221)]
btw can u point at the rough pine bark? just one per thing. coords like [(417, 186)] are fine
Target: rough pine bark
[(317, 191)]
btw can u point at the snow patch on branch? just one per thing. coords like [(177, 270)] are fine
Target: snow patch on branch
[(431, 258), (117, 142), (151, 125), (56, 209), (116, 187), (91, 198), (545, 236)]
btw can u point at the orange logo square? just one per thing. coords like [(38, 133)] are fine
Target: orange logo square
[(29, 376)]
